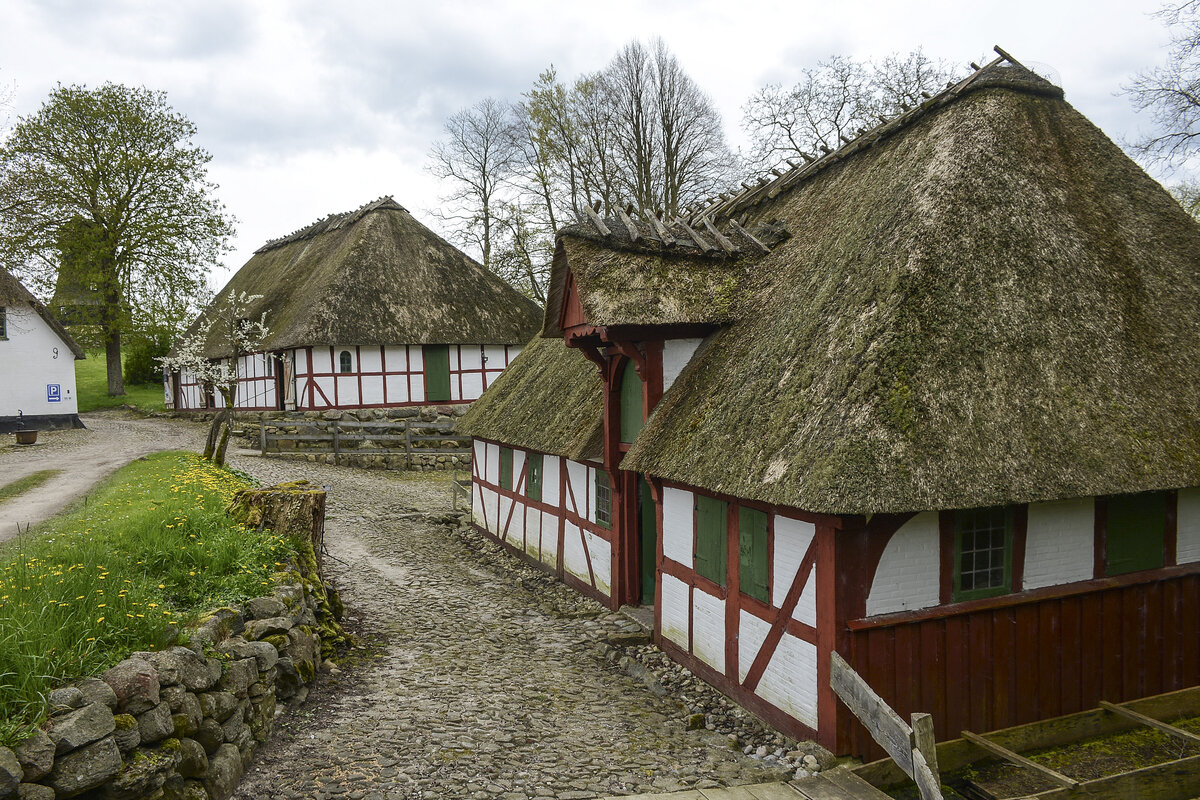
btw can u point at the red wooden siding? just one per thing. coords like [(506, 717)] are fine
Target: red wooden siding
[(1016, 660)]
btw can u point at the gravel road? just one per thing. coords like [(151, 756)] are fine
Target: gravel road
[(476, 677)]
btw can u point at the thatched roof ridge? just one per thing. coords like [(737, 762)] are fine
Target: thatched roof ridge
[(13, 292), (992, 305), (548, 400), (376, 276)]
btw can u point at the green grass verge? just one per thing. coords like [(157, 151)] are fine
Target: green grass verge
[(91, 387), (22, 485), (151, 549)]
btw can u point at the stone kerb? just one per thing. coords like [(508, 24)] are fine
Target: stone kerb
[(178, 724)]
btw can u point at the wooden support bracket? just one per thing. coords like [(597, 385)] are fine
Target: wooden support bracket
[(1020, 760), (1151, 722)]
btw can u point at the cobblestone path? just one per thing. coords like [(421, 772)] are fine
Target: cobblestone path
[(476, 686)]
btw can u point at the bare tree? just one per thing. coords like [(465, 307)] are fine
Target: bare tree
[(833, 100), (476, 156), (1171, 93)]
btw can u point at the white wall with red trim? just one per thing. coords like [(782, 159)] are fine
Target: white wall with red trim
[(560, 531)]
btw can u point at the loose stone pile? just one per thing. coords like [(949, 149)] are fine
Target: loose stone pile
[(178, 724)]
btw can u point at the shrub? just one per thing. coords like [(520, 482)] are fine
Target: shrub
[(140, 366)]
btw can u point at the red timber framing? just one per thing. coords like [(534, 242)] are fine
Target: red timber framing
[(311, 395), (1031, 654), (818, 559), (572, 508)]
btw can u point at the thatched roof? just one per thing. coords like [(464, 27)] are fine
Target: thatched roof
[(377, 276), (12, 292), (988, 304), (547, 400)]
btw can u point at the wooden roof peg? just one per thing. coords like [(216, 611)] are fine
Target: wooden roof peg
[(843, 138), (738, 227), (975, 66), (1000, 52), (825, 149), (630, 226), (660, 229), (777, 172), (808, 157), (695, 237), (926, 95), (725, 244), (597, 223), (596, 206)]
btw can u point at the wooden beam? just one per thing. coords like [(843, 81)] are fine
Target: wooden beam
[(885, 725), (628, 223), (661, 230), (1171, 780), (596, 221), (703, 245), (1171, 730), (733, 223), (726, 245), (1019, 760)]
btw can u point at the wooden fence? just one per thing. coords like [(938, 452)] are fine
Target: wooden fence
[(912, 748), (392, 437)]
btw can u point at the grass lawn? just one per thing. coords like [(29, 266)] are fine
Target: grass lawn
[(151, 549), (22, 485), (91, 384)]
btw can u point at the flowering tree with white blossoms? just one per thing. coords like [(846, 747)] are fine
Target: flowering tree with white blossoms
[(234, 335)]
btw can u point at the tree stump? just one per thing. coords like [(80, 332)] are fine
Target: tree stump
[(294, 509)]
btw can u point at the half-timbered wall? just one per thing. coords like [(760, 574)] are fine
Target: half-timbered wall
[(559, 531), (760, 652), (377, 376)]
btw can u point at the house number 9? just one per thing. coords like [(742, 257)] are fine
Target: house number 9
[(56, 352)]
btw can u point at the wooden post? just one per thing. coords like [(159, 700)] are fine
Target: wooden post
[(336, 443), (407, 445), (924, 743), (262, 436)]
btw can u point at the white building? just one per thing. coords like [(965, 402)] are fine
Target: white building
[(37, 363)]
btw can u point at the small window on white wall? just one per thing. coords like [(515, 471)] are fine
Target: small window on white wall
[(345, 362)]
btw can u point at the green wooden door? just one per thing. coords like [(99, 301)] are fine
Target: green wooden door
[(648, 533), (1136, 528), (437, 372), (631, 404), (711, 533), (753, 572)]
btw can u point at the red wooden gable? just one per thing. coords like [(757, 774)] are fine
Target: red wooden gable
[(571, 313)]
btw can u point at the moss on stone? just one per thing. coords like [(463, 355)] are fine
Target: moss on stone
[(125, 722)]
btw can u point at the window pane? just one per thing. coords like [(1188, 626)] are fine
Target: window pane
[(603, 499), (982, 541)]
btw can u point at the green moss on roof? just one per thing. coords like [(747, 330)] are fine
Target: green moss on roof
[(377, 276), (995, 305), (549, 400)]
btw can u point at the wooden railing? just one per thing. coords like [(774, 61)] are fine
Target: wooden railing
[(913, 748), (407, 437)]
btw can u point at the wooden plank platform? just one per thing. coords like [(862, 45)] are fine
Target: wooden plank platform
[(838, 784)]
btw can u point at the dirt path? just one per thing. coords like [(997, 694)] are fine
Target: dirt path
[(85, 457)]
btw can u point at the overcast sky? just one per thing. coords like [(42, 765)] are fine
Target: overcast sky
[(312, 108)]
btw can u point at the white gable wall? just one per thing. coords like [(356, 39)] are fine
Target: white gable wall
[(29, 363)]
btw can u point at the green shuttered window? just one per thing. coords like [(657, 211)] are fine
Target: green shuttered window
[(982, 553), (711, 534), (631, 404), (753, 572), (506, 465), (1136, 528), (533, 476), (437, 372)]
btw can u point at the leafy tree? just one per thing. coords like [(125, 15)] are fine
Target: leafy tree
[(106, 184), (234, 335), (1171, 93), (833, 100)]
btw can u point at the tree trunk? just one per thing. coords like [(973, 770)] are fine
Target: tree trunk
[(210, 445), (219, 456), (112, 357)]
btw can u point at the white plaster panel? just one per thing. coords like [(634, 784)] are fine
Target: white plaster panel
[(574, 560), (416, 358), (533, 531), (320, 360), (477, 504), (369, 360), (601, 554), (397, 389), (493, 463), (395, 359), (590, 494), (372, 390), (909, 570), (515, 523), (478, 454), (674, 613), (677, 525), (326, 386), (1187, 541), (502, 516), (455, 392), (347, 391), (806, 609), (28, 364), (1060, 542), (708, 629), (418, 388), (676, 355), (518, 465), (513, 350), (550, 467), (549, 554), (495, 356), (472, 386), (452, 357), (751, 633), (790, 679), (301, 359), (576, 488), (472, 356), (792, 538), (492, 375)]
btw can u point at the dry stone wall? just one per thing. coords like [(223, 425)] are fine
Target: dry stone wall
[(179, 724)]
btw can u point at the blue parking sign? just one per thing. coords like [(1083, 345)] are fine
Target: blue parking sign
[(53, 393)]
